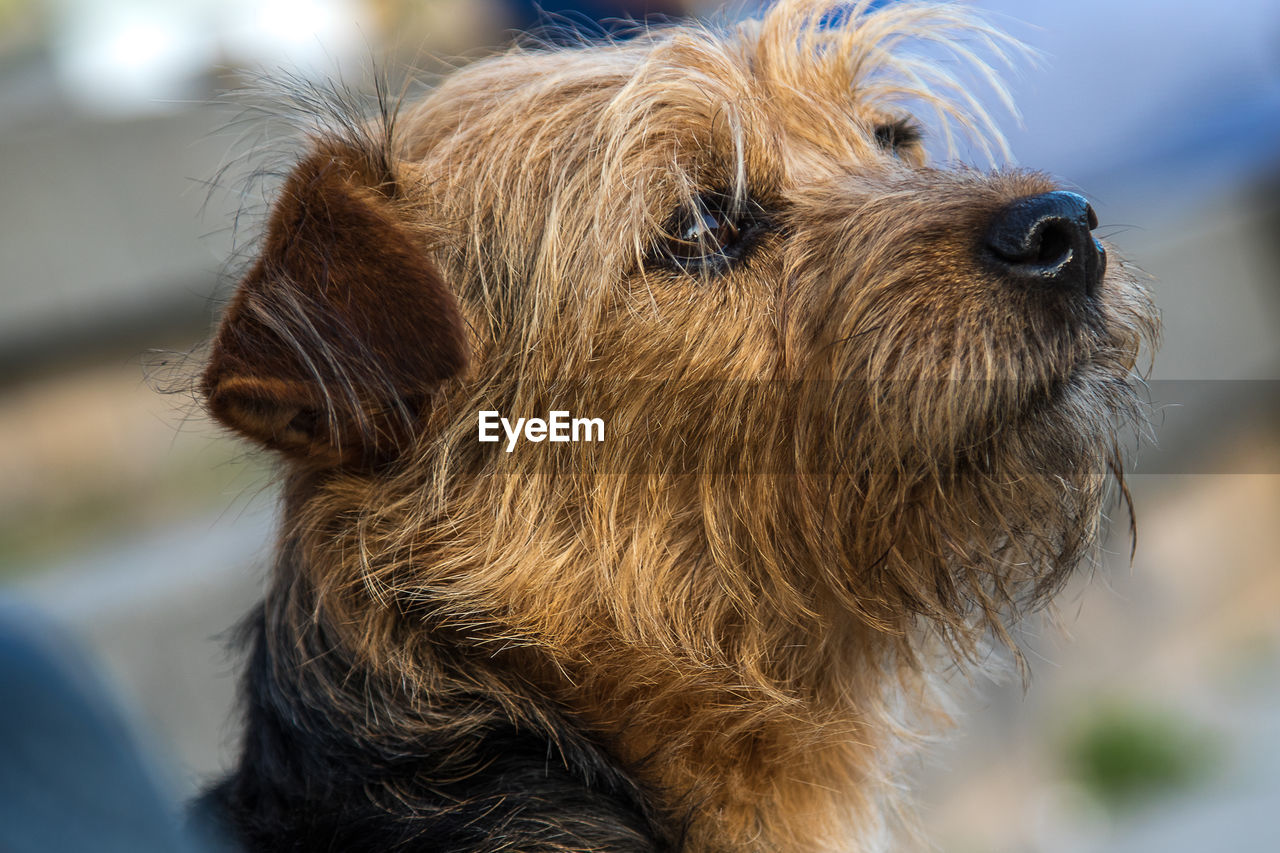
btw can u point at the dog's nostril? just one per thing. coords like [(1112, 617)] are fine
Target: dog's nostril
[(1055, 243), (1045, 240)]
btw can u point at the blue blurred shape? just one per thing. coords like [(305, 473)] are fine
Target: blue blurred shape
[(72, 778), (838, 16)]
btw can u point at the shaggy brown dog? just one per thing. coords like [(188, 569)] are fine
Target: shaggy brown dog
[(859, 413)]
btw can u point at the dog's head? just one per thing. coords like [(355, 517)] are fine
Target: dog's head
[(833, 358)]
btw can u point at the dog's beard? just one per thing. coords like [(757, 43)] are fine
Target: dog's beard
[(970, 502)]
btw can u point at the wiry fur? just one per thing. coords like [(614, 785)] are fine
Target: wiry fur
[(849, 458)]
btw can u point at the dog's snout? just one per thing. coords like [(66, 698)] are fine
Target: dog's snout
[(1046, 240)]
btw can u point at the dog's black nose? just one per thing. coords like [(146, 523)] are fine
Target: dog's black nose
[(1045, 240)]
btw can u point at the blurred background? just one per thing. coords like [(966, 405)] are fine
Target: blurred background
[(1152, 722)]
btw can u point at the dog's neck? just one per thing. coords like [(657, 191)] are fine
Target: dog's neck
[(784, 739), (752, 760)]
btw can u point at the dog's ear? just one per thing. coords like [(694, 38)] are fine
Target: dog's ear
[(342, 330)]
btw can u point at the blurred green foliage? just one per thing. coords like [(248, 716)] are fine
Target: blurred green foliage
[(1125, 754)]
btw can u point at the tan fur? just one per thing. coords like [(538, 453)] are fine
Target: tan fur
[(845, 462)]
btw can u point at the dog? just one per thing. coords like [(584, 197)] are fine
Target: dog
[(846, 416)]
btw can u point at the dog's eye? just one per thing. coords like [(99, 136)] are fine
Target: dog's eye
[(710, 234), (896, 135), (703, 230)]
